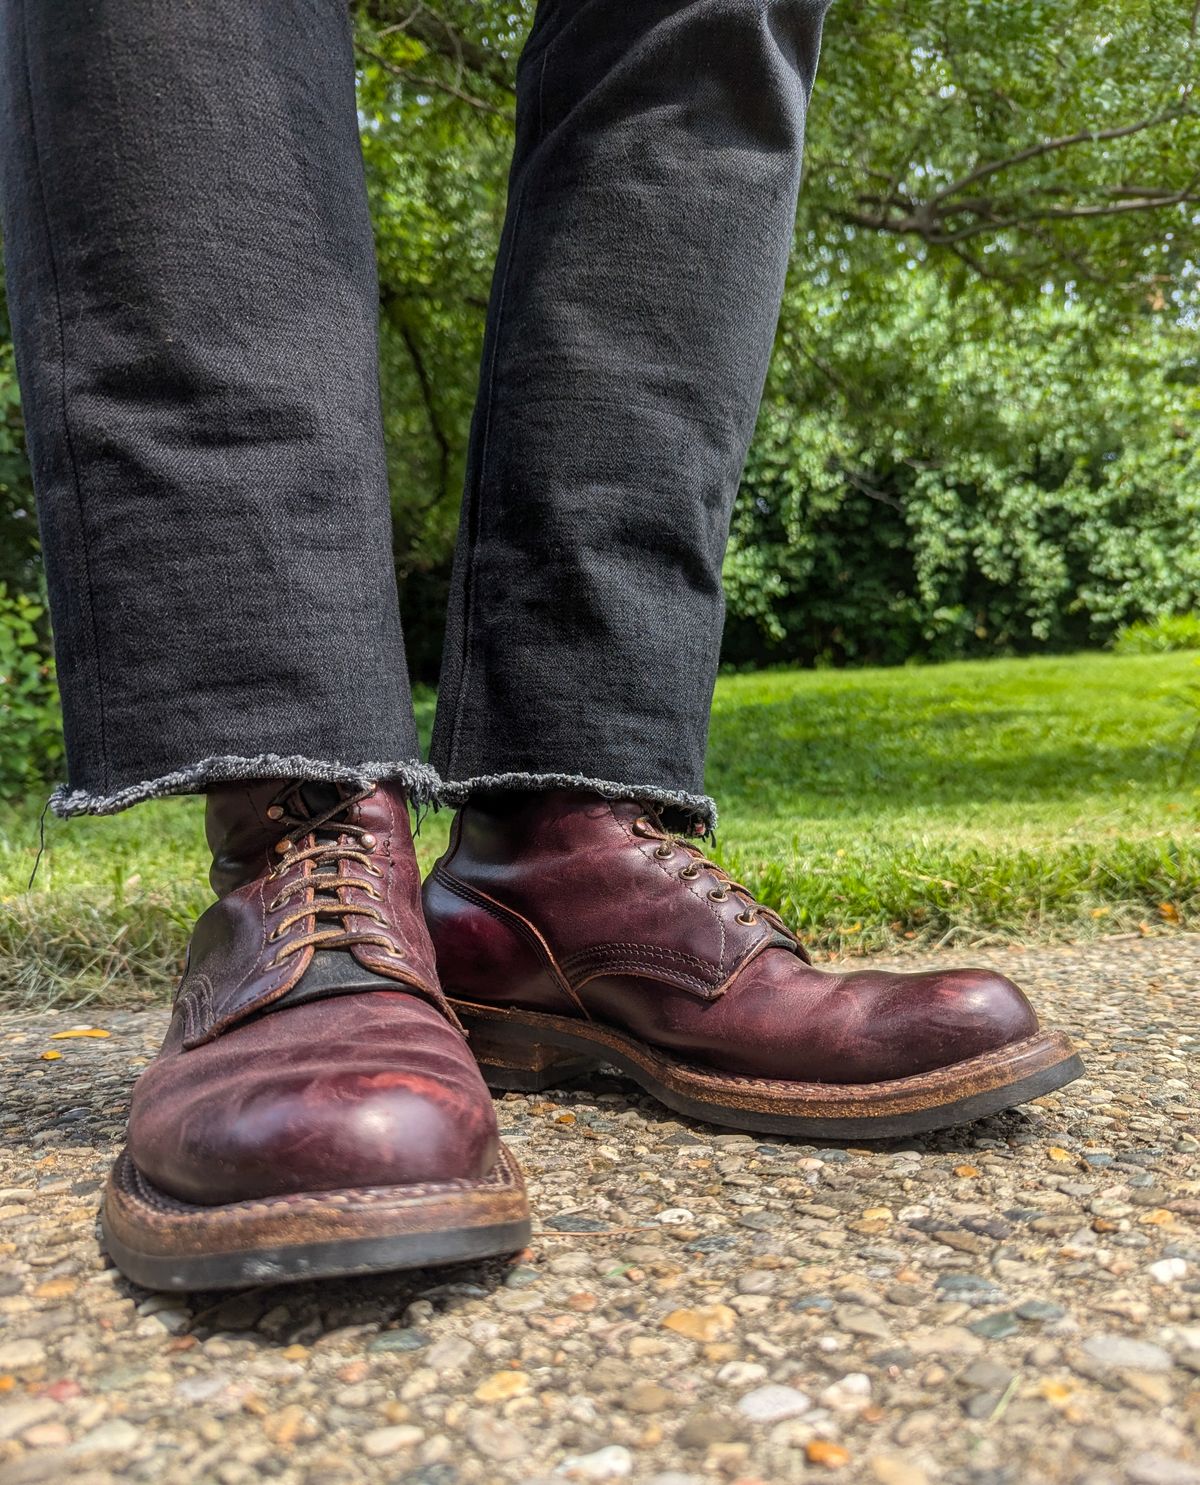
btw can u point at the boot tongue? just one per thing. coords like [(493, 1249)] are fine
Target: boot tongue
[(319, 796)]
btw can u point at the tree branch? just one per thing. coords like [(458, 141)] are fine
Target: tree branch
[(1048, 146), (930, 222), (431, 84), (441, 37)]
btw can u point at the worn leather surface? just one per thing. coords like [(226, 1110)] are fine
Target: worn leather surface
[(575, 906), (259, 1090), (236, 968)]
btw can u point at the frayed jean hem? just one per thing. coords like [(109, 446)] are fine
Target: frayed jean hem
[(419, 780), (700, 806)]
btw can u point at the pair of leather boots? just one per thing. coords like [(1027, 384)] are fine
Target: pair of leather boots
[(320, 1105)]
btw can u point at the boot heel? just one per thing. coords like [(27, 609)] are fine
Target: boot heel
[(517, 1062)]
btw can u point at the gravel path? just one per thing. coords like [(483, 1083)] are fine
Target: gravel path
[(1009, 1304)]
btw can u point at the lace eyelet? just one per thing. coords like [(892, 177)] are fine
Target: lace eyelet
[(642, 827), (374, 870), (748, 919), (274, 936), (690, 873), (274, 905), (664, 851), (718, 895)]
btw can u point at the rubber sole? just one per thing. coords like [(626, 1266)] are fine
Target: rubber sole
[(528, 1052), (164, 1244)]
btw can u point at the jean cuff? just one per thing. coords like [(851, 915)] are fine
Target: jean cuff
[(699, 806), (419, 780)]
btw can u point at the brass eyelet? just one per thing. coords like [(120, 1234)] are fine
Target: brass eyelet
[(690, 873), (663, 851), (275, 812), (642, 826), (374, 870), (749, 919), (718, 895), (274, 936), (274, 905)]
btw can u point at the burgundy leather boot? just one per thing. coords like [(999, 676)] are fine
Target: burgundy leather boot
[(572, 930), (314, 1109)]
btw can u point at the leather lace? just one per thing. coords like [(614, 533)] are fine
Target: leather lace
[(329, 858), (651, 826)]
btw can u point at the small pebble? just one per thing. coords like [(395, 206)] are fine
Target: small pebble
[(381, 1442), (613, 1462), (772, 1403)]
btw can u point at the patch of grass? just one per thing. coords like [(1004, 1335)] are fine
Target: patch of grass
[(973, 802), (986, 800)]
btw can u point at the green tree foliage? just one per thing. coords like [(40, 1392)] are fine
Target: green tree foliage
[(28, 698), (980, 426)]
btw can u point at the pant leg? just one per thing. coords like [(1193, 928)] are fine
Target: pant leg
[(192, 284), (650, 216)]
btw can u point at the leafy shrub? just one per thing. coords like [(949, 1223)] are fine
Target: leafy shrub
[(1157, 636), (29, 710), (943, 477)]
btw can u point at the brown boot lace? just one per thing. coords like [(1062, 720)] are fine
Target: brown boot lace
[(329, 854), (650, 826)]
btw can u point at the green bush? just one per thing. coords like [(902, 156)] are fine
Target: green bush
[(1158, 636), (29, 710), (942, 478)]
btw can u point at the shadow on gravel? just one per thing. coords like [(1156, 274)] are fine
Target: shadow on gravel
[(1014, 1126), (276, 1316)]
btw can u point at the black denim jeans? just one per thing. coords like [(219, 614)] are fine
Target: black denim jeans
[(192, 284)]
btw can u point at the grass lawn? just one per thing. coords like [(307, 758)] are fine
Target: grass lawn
[(983, 801)]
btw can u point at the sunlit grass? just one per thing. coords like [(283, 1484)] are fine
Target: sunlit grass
[(1030, 799)]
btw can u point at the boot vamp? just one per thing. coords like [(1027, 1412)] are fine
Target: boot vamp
[(782, 1018), (357, 1090)]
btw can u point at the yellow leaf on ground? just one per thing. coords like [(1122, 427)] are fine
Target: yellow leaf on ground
[(966, 1172), (1056, 1152), (51, 1056), (822, 1451), (1055, 1390), (501, 1386), (705, 1323), (75, 1031)]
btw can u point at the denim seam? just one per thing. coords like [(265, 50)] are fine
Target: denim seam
[(459, 791), (68, 439), (421, 782), (476, 505)]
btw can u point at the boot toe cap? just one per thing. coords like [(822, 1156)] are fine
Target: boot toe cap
[(331, 1097), (947, 1016)]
